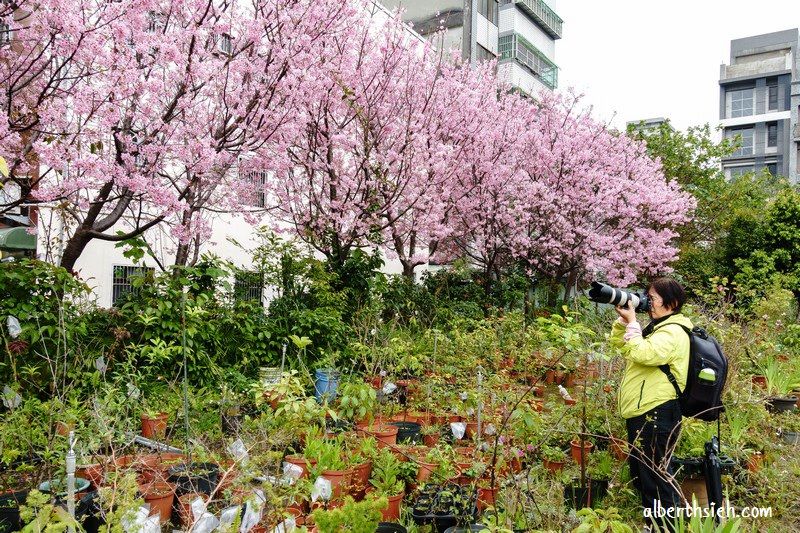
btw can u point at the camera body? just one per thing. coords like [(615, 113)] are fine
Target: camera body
[(606, 294)]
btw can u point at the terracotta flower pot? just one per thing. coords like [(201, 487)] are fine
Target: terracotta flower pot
[(160, 496), (302, 462), (754, 461), (431, 440), (339, 479), (486, 497), (392, 511), (360, 480), (185, 507), (576, 450), (619, 448), (386, 434), (553, 466), (154, 426), (95, 473)]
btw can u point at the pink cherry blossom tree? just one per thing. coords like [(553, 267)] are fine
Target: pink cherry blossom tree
[(366, 168), (593, 203), (139, 112)]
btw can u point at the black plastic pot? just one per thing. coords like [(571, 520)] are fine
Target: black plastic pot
[(231, 424), (87, 512), (781, 405), (388, 527), (727, 465), (407, 431), (450, 505), (791, 437), (687, 466), (9, 510), (577, 497), (194, 477)]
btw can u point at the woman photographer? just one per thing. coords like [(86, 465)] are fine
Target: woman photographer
[(647, 399)]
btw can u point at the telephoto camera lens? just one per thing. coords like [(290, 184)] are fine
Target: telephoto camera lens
[(606, 294)]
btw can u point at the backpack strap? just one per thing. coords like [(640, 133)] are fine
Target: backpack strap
[(665, 368)]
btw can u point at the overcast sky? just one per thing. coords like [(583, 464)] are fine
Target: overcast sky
[(643, 59)]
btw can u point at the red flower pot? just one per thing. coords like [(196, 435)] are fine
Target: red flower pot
[(160, 496), (154, 426), (576, 450)]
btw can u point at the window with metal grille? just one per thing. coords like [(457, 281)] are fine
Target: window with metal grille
[(257, 181), (224, 43), (248, 286), (122, 278), (6, 16)]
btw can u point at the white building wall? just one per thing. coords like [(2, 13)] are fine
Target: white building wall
[(513, 73), (486, 34)]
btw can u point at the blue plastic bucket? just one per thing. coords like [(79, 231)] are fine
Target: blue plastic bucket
[(326, 385)]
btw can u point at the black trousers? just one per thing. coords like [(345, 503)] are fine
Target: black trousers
[(652, 437)]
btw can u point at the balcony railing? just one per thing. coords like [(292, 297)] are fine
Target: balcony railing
[(516, 47), (541, 13)]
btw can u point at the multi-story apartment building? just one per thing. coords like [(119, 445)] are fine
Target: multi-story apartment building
[(759, 101), (521, 34)]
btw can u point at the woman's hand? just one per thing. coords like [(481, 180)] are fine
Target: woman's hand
[(627, 313)]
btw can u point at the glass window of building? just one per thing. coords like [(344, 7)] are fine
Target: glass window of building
[(772, 168), (772, 98), (745, 138), (488, 8), (737, 172), (741, 103), (772, 135)]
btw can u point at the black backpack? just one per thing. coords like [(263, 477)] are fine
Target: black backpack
[(702, 398)]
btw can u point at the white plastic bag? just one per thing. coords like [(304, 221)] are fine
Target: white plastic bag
[(238, 451), (458, 429), (14, 329), (322, 489)]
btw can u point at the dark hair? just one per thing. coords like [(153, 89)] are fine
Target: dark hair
[(671, 293)]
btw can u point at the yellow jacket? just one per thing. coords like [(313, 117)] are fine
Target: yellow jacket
[(644, 385)]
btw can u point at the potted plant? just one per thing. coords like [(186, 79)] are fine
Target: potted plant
[(351, 516), (357, 402), (387, 482), (443, 459), (553, 458), (781, 381), (160, 495), (330, 463), (155, 414)]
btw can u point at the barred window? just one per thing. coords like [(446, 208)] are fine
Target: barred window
[(248, 286), (257, 180), (122, 277), (6, 15)]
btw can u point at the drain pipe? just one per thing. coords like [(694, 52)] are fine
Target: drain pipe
[(153, 445)]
